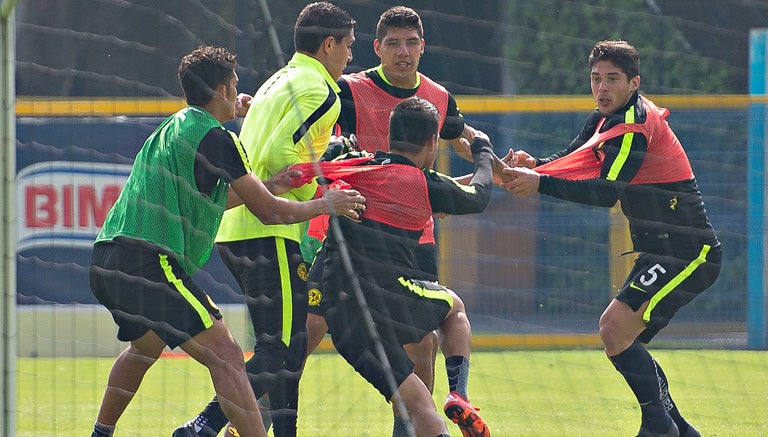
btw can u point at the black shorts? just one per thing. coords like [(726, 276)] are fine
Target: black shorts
[(145, 289), (273, 277), (425, 260), (403, 311), (668, 283)]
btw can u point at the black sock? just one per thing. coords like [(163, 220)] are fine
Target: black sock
[(457, 368), (100, 430), (213, 416), (668, 403), (636, 366)]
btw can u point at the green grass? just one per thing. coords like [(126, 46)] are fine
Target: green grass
[(521, 393)]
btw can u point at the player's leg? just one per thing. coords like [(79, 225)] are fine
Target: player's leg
[(124, 379), (685, 428), (316, 330), (455, 342), (248, 262), (418, 402), (147, 289), (273, 275), (118, 274), (620, 326), (423, 355), (656, 288), (216, 349), (391, 374), (316, 325)]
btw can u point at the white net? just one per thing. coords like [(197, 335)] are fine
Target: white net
[(96, 77)]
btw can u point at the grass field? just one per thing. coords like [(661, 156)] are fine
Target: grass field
[(520, 393)]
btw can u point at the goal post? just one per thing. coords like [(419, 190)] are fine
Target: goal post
[(756, 148), (7, 220)]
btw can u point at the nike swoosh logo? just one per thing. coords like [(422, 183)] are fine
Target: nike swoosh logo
[(632, 285)]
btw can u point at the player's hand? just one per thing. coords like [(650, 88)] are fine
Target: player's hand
[(519, 158), (339, 146), (283, 181), (242, 104), (347, 203), (479, 141), (520, 181)]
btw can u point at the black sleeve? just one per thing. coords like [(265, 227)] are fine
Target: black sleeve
[(594, 192), (347, 119), (448, 196), (454, 121), (218, 157), (621, 162)]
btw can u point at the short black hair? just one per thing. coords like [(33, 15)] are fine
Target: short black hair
[(203, 70), (399, 17), (620, 53), (318, 21), (412, 123)]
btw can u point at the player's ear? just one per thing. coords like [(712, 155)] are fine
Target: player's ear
[(328, 44), (377, 47), (433, 142), (221, 90)]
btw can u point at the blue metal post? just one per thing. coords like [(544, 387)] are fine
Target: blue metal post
[(756, 241)]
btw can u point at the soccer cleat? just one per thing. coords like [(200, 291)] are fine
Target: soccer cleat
[(671, 432), (190, 429), (463, 414)]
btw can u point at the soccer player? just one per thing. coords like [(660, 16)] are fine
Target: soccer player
[(627, 152), (402, 193), (160, 232), (290, 121), (367, 98)]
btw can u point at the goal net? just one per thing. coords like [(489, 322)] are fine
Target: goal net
[(96, 77)]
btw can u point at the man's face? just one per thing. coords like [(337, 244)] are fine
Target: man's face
[(611, 88), (340, 55), (400, 51)]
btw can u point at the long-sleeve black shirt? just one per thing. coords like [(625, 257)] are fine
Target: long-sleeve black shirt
[(667, 219), (386, 250)]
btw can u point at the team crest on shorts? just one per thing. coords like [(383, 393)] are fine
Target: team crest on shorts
[(302, 271), (314, 297)]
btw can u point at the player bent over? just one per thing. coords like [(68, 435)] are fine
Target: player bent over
[(160, 231), (370, 323)]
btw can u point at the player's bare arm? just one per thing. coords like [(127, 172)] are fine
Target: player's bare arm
[(461, 143), (277, 210), (520, 181)]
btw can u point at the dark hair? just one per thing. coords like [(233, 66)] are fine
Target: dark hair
[(201, 71), (318, 21), (620, 53), (412, 123), (399, 17)]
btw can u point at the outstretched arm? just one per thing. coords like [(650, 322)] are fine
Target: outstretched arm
[(277, 210)]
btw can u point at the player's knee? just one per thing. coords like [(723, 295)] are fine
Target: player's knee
[(458, 304), (231, 353)]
